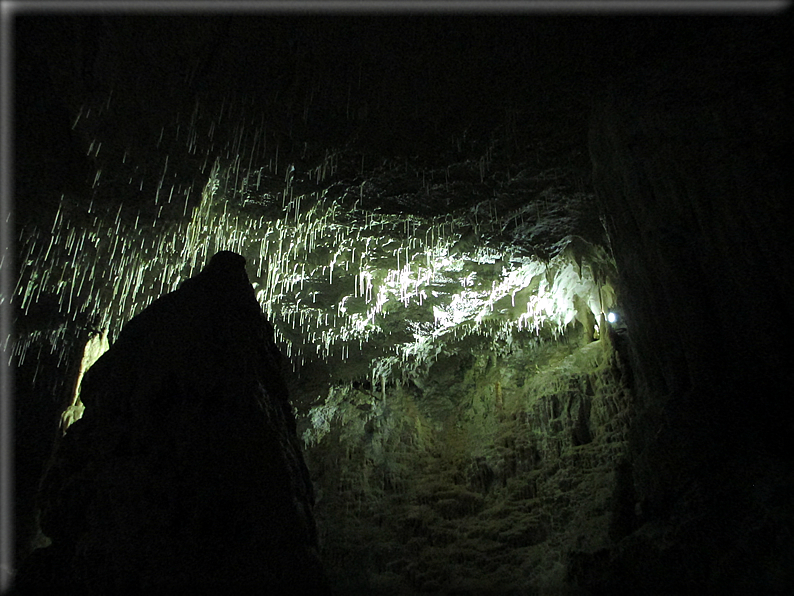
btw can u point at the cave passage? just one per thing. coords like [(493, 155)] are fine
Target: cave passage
[(502, 258)]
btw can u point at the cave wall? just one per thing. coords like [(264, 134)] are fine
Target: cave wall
[(488, 475), (688, 154)]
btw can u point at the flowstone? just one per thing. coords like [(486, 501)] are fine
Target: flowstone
[(490, 486)]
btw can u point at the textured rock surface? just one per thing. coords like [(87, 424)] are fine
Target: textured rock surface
[(416, 199), (482, 481), (688, 166), (185, 471)]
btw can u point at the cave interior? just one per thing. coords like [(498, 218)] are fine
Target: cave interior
[(521, 270)]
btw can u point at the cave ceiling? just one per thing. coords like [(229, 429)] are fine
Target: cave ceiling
[(401, 187)]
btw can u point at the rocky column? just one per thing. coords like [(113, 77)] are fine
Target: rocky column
[(185, 471)]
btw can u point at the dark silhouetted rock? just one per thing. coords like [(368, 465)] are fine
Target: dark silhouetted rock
[(687, 159), (185, 473)]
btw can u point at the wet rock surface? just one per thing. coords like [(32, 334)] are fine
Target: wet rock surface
[(185, 471)]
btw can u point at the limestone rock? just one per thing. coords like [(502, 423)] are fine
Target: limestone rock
[(185, 471)]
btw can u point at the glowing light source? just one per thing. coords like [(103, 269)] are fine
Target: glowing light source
[(612, 317)]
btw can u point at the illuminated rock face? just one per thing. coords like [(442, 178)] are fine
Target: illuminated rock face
[(185, 471), (437, 281), (481, 480)]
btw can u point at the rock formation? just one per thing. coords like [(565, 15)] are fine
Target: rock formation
[(185, 471), (438, 248), (687, 164)]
